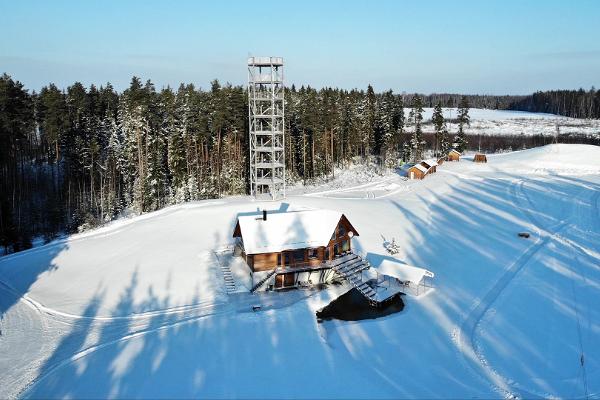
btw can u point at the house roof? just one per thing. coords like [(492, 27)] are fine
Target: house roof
[(420, 168), (430, 162), (288, 230), (455, 151)]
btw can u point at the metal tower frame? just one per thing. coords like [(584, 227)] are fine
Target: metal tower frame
[(266, 111)]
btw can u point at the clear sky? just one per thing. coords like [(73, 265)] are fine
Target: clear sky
[(479, 46)]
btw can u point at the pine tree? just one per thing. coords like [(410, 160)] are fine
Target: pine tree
[(417, 144), (460, 141), (438, 125)]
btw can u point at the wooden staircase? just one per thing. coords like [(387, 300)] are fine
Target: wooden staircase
[(263, 280), (230, 286), (350, 267)]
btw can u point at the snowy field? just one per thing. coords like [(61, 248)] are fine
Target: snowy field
[(140, 309), (506, 122)]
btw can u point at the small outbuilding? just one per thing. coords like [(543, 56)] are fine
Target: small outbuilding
[(431, 165), (479, 157), (410, 277), (453, 155), (417, 171)]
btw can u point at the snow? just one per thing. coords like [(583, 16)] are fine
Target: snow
[(430, 162), (139, 308), (287, 230), (399, 270), (507, 122), (421, 168)]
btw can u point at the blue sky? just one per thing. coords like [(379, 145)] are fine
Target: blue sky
[(486, 46)]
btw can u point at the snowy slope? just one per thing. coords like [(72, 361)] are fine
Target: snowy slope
[(139, 308)]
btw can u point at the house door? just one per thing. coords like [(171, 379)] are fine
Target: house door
[(290, 279), (285, 280), (279, 281), (412, 174)]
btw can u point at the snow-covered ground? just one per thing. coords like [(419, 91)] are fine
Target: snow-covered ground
[(505, 122), (139, 308)]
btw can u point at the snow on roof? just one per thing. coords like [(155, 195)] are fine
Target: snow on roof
[(288, 231), (403, 272), (420, 168), (456, 151), (431, 162)]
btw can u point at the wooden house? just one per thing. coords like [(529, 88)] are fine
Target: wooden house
[(417, 171), (479, 157), (431, 165), (454, 155), (293, 247)]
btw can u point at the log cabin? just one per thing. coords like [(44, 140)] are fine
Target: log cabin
[(479, 157), (454, 155), (431, 165), (417, 171), (290, 249)]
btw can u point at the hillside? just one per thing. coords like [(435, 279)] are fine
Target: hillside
[(139, 308)]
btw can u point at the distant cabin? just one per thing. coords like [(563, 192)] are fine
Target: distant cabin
[(454, 155), (441, 160), (431, 165), (479, 157), (294, 245), (417, 171)]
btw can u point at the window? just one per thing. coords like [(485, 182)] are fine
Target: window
[(346, 245), (286, 257), (299, 255), (341, 230), (313, 253), (279, 259), (327, 253)]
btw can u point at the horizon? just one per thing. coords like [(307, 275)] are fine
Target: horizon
[(518, 51)]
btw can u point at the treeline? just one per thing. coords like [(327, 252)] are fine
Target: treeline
[(570, 103), (491, 102), (75, 158)]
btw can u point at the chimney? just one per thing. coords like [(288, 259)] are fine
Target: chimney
[(264, 215)]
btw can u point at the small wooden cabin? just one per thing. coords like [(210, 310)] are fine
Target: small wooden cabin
[(417, 171), (431, 165), (479, 157), (294, 245), (453, 155)]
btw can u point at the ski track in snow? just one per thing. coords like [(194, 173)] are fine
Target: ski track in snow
[(112, 228), (135, 325), (469, 350)]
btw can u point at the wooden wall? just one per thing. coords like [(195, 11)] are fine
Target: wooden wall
[(453, 157), (418, 174)]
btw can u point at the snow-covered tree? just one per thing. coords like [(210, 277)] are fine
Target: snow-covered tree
[(460, 140), (417, 144)]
